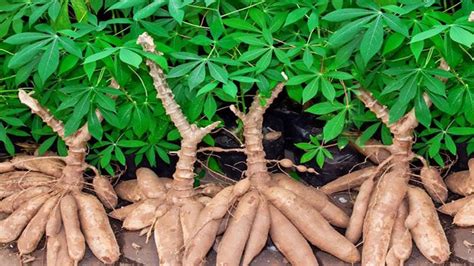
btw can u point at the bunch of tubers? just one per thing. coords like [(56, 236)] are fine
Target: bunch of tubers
[(44, 196)]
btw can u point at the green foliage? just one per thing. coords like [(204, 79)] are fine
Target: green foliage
[(216, 52)]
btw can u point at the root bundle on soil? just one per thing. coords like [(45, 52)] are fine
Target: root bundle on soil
[(388, 213), (293, 214), (43, 196), (167, 208)]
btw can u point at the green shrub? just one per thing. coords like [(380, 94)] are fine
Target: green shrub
[(218, 51)]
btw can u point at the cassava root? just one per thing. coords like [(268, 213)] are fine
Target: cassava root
[(43, 197)]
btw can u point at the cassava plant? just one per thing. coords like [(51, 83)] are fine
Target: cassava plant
[(291, 212), (170, 209), (388, 212), (47, 196)]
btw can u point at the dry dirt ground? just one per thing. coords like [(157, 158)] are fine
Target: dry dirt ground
[(136, 251)]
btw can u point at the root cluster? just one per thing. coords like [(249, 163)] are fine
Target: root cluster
[(44, 196)]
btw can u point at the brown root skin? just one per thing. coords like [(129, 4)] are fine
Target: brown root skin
[(258, 233), (96, 228), (12, 226), (54, 223), (143, 215), (316, 199), (354, 230), (434, 184), (70, 217), (49, 166), (425, 227), (401, 242), (289, 240), (34, 231), (380, 217), (459, 183), (320, 234), (149, 184), (12, 202), (6, 167), (169, 237), (123, 212), (128, 190), (348, 181), (105, 191), (233, 242), (453, 207), (188, 214), (465, 216)]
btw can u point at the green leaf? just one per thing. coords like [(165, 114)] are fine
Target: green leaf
[(54, 10), (26, 54), (422, 112), (310, 90), (100, 55), (395, 24), (328, 89), (367, 134), (207, 88), (347, 14), (348, 31), (252, 54), (295, 15), (461, 131), (308, 156), (296, 80), (339, 75), (122, 4), (264, 61), (372, 40), (70, 46), (461, 36), (308, 58), (148, 10), (434, 85), (334, 126), (393, 42), (218, 72), (428, 34), (130, 57), (131, 143), (174, 7), (94, 126), (80, 9), (49, 61), (324, 108), (197, 76), (210, 107), (26, 37), (46, 145), (239, 24), (313, 20), (231, 89), (450, 144), (181, 70)]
